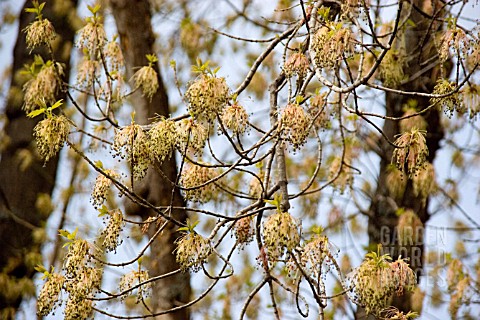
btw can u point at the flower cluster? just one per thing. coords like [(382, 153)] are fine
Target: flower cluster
[(296, 64), (207, 96), (411, 153), (75, 259), (424, 181), (409, 228), (341, 173), (255, 188), (162, 139), (471, 99), (413, 122), (396, 182), (78, 309), (191, 134), (393, 313), (43, 86), (192, 251), (459, 283), (316, 256), (194, 38), (39, 32), (452, 102), (235, 118), (86, 281), (330, 43), (281, 232), (101, 188), (48, 299), (295, 123), (92, 37), (114, 54), (193, 179), (132, 142), (244, 230), (391, 69), (111, 233), (134, 278), (377, 279), (455, 273), (147, 79), (50, 135), (453, 38), (80, 280), (318, 111), (86, 71)]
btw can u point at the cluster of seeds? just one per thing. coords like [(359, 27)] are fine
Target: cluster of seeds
[(412, 152), (235, 118), (131, 142), (296, 64), (377, 279), (194, 177), (192, 251), (44, 86), (48, 299), (112, 232), (207, 96), (281, 232), (39, 32), (50, 135), (295, 123), (134, 278), (101, 188)]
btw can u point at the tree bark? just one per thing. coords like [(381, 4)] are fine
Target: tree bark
[(21, 186), (383, 219), (133, 20)]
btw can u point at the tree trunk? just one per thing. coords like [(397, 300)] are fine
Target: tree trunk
[(133, 20), (383, 219), (21, 185)]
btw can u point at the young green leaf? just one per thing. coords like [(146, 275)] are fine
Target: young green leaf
[(37, 112)]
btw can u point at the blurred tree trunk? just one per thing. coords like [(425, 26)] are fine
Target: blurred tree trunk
[(133, 20), (23, 176), (420, 47)]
